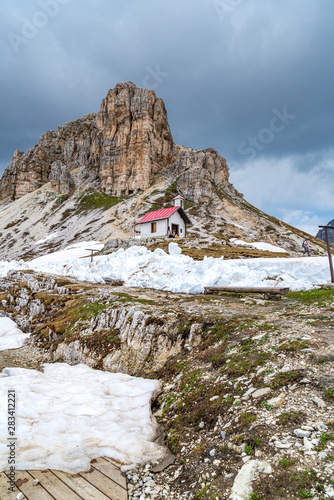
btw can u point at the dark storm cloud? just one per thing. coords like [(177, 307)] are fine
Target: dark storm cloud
[(227, 69)]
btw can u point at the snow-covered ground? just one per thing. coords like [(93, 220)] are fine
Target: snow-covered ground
[(140, 267), (259, 245), (69, 415), (11, 337)]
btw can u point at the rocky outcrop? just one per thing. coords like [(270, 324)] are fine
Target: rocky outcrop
[(74, 146), (321, 234), (61, 179), (136, 139), (118, 151), (199, 172), (247, 385)]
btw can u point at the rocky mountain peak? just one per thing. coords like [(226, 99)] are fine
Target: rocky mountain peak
[(118, 151)]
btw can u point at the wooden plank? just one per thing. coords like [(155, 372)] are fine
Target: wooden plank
[(24, 482), (109, 470), (246, 289), (4, 485), (84, 489), (54, 485), (104, 484), (113, 281)]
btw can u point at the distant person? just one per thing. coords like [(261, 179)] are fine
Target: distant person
[(306, 246)]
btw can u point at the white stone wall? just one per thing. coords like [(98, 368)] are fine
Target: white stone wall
[(145, 229), (177, 219)]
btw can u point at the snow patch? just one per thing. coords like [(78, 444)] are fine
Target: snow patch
[(11, 337), (139, 267), (69, 415), (46, 238), (259, 245)]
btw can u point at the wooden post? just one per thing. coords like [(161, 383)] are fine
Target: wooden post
[(91, 253)]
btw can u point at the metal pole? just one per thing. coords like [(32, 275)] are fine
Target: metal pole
[(91, 253), (329, 254), (329, 251)]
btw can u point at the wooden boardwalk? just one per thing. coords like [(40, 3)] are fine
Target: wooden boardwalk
[(104, 481)]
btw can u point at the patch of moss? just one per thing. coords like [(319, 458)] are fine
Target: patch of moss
[(95, 200), (291, 417), (293, 345), (246, 419), (294, 484), (320, 296), (239, 364), (285, 378), (101, 342)]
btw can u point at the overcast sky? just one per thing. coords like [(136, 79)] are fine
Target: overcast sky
[(253, 79)]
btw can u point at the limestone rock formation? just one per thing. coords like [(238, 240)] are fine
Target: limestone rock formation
[(136, 139), (73, 145), (199, 173), (61, 179), (118, 151), (321, 234)]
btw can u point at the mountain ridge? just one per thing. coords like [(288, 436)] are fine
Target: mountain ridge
[(96, 176)]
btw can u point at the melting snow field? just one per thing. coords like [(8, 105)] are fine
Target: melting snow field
[(69, 415), (259, 245), (11, 337), (140, 267)]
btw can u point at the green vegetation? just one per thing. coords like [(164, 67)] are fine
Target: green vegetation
[(324, 439), (246, 419), (101, 342), (291, 417), (90, 310), (293, 345), (92, 200), (330, 393), (240, 364), (320, 296), (285, 378), (266, 405), (254, 496), (286, 484), (204, 493), (286, 463), (248, 449)]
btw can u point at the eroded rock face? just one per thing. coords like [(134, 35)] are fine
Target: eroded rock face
[(199, 173), (118, 151), (136, 139), (61, 179), (75, 146)]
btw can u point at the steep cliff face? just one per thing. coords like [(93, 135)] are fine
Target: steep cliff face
[(198, 172), (74, 147), (117, 151), (136, 141)]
